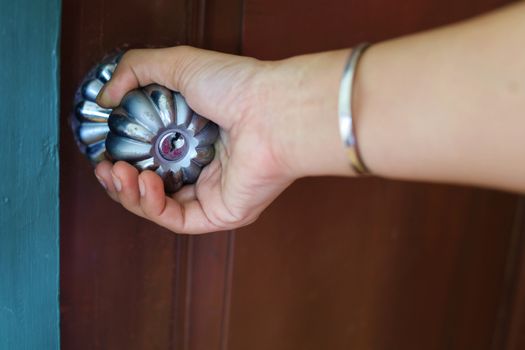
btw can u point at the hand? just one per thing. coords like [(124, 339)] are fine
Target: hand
[(269, 114)]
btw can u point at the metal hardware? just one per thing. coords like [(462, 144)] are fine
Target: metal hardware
[(153, 128)]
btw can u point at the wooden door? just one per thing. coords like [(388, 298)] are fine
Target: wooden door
[(126, 283), (369, 263), (332, 264)]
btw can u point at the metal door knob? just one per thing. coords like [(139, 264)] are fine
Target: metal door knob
[(153, 128)]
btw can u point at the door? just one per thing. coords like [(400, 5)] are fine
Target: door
[(370, 263), (126, 283), (332, 264)]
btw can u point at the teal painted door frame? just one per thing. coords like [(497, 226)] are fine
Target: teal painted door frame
[(29, 198)]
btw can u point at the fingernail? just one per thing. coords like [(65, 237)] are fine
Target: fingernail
[(102, 98), (101, 92), (102, 183), (116, 182), (142, 187)]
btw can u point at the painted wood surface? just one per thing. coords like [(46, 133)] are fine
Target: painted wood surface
[(29, 205)]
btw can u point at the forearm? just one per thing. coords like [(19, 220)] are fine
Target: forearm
[(445, 105), (448, 105)]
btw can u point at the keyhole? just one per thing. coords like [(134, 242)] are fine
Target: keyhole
[(172, 146), (176, 142)]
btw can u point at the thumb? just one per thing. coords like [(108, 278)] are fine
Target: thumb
[(141, 67)]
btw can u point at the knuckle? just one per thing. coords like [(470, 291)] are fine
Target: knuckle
[(129, 55), (113, 197), (129, 202), (150, 212), (128, 60), (118, 166), (181, 49)]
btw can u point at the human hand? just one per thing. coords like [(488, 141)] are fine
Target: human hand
[(270, 115)]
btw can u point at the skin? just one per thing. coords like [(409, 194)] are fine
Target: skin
[(447, 105)]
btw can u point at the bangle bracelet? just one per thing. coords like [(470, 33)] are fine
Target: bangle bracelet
[(346, 121)]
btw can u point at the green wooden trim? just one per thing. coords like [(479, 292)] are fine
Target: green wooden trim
[(29, 198)]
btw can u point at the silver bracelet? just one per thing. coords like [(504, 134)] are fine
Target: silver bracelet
[(346, 121)]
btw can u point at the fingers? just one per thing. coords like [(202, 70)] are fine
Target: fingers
[(121, 182), (125, 180), (144, 196), (185, 194), (103, 174), (186, 216)]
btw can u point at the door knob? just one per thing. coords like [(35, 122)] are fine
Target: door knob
[(153, 128)]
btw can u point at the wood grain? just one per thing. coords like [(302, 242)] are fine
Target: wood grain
[(117, 270), (510, 334), (332, 264), (29, 207), (126, 283), (203, 296), (406, 266), (370, 263)]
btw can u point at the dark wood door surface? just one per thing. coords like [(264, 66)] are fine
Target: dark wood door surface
[(368, 264), (332, 264)]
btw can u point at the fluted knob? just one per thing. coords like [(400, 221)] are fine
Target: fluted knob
[(153, 128)]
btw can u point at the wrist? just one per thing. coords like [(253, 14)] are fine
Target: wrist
[(302, 106)]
